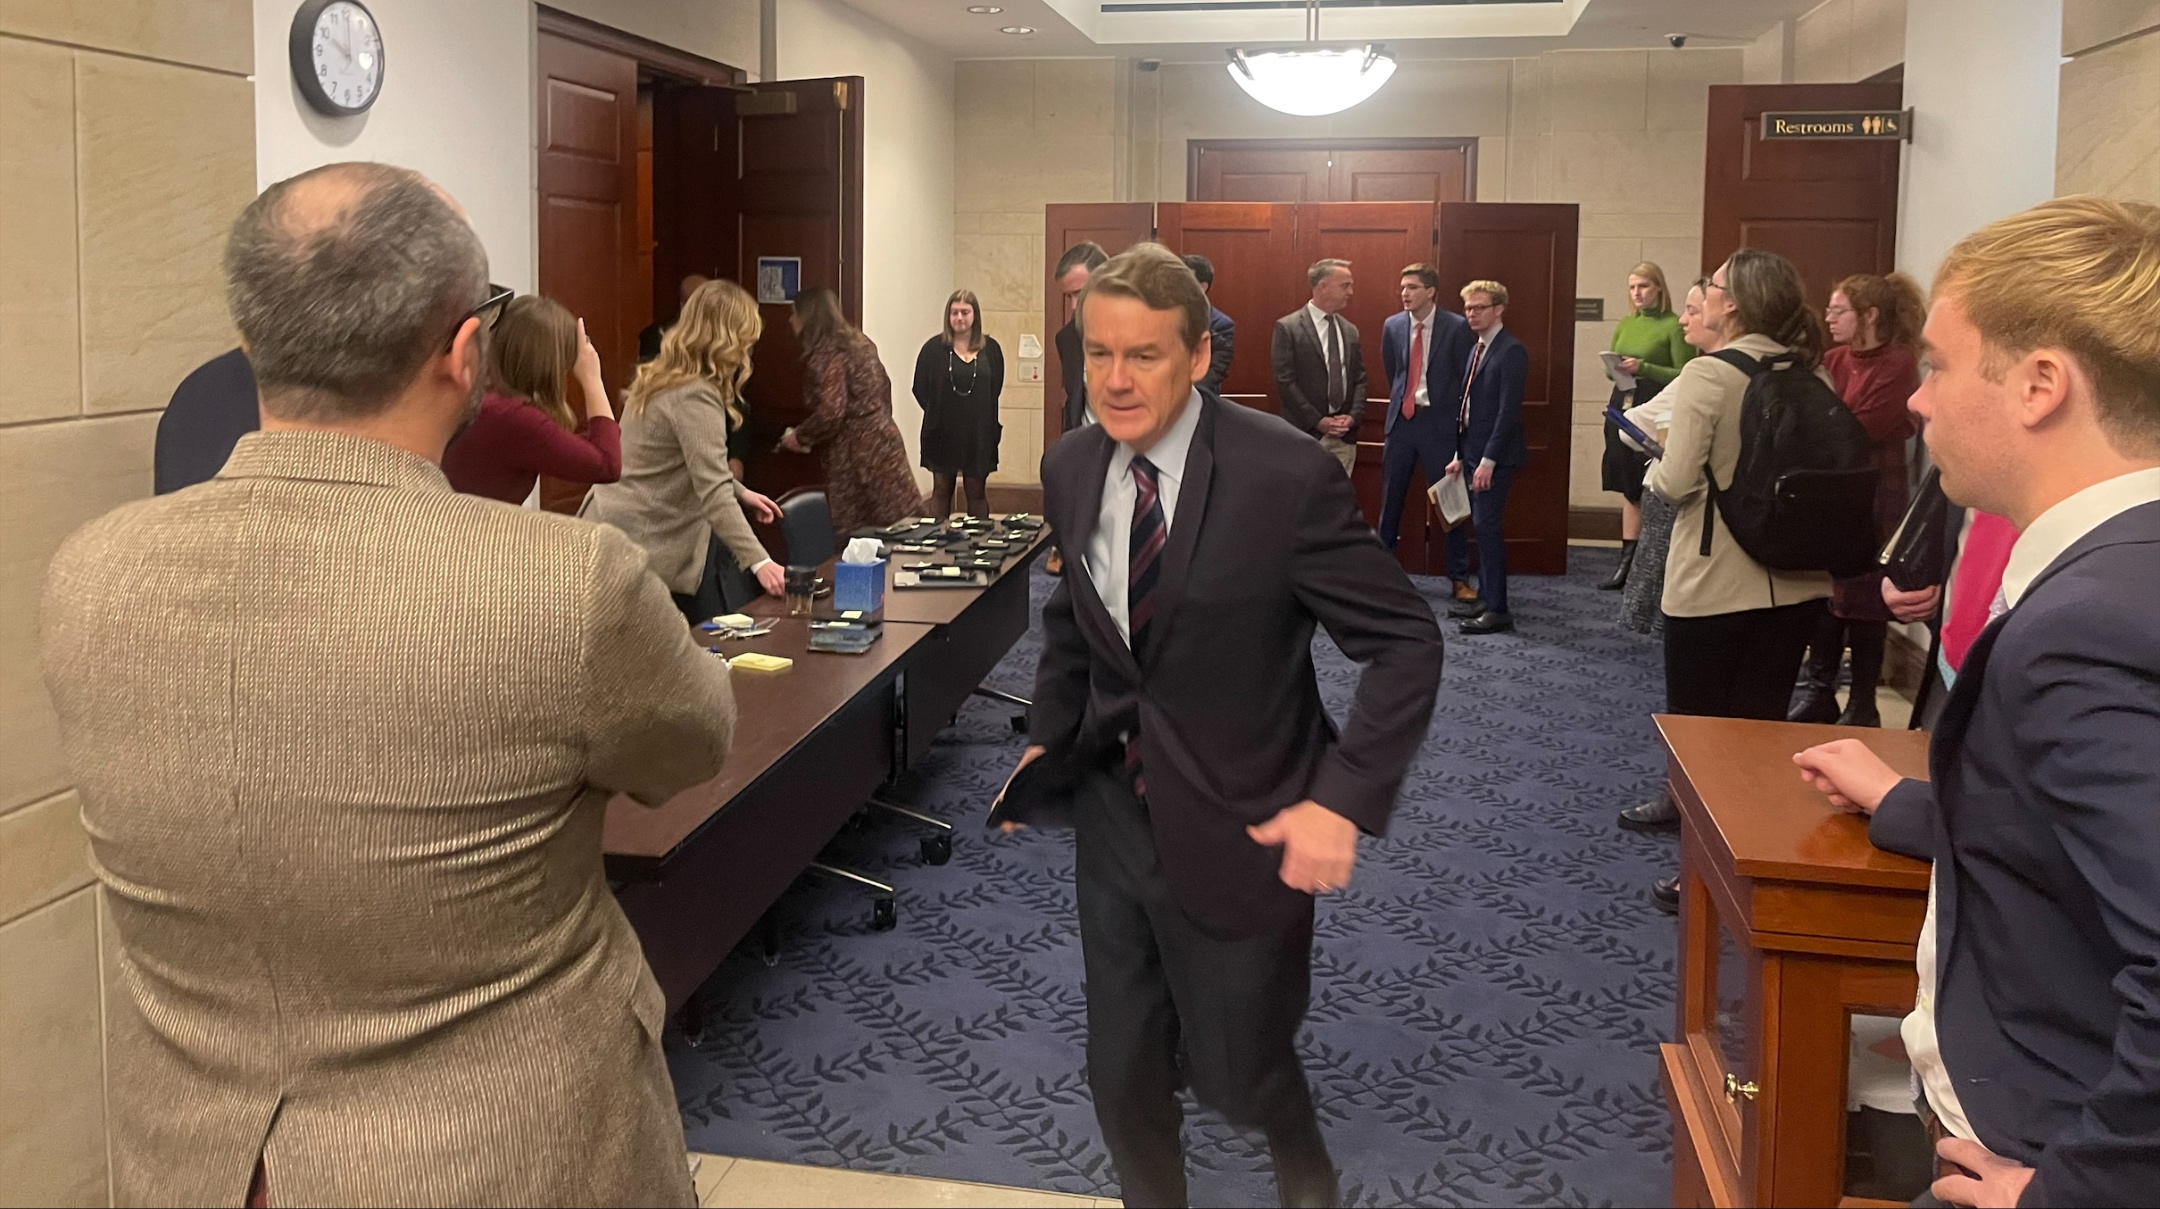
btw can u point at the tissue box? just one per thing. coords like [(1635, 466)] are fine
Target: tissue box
[(858, 587)]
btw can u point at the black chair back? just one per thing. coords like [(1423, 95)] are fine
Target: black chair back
[(213, 408), (806, 523)]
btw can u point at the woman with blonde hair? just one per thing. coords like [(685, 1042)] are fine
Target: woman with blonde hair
[(958, 376), (867, 480), (526, 427), (1652, 349), (1875, 367), (677, 497)]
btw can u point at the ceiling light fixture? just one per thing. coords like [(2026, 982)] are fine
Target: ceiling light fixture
[(984, 10), (1312, 79), (1017, 29)]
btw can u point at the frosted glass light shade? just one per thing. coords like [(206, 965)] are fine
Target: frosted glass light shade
[(1312, 81)]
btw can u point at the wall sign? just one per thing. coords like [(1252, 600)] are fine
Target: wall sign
[(1884, 125), (779, 279), (1589, 310)]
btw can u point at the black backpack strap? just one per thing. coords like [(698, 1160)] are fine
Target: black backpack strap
[(1709, 513), (1739, 360)]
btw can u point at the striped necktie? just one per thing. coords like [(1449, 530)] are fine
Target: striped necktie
[(1144, 567)]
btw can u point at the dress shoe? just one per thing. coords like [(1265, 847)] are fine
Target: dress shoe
[(1816, 703), (1651, 817), (1620, 572), (1861, 711), (1665, 892), (1054, 563), (1488, 622), (1466, 608), (1465, 590)]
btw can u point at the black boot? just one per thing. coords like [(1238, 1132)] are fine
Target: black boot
[(1620, 573), (1868, 638), (1817, 701)]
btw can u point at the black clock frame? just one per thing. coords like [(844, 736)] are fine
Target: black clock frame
[(300, 45)]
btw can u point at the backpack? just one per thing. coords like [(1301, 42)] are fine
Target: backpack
[(1802, 496)]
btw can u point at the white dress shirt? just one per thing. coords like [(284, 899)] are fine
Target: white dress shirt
[(1421, 390), (1109, 551), (2043, 541)]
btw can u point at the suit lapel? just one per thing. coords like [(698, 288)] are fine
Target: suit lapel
[(1185, 528), (1089, 494)]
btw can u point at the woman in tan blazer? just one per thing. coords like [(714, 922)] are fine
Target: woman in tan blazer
[(1735, 630), (677, 493)]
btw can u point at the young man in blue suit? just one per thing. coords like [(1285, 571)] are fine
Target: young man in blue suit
[(2036, 1033), (1489, 447), (1423, 351)]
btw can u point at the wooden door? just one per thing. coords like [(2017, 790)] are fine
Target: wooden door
[(1116, 226), (1293, 171), (1530, 249), (695, 208), (798, 192), (1828, 206), (1253, 246)]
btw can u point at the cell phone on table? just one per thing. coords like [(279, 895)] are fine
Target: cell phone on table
[(1644, 439)]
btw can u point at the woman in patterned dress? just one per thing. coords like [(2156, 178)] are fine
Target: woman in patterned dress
[(867, 479)]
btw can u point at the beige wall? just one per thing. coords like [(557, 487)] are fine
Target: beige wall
[(1620, 133), (1845, 41), (2109, 137), (126, 146)]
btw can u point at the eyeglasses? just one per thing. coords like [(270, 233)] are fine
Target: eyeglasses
[(1479, 308), (1706, 285), (489, 312)]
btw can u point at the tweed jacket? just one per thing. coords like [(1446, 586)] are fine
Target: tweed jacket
[(344, 739), (676, 490)]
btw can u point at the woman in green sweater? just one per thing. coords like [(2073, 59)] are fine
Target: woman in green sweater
[(1650, 348)]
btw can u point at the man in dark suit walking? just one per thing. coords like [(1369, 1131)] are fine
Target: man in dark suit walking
[(1214, 799), (1423, 351), (1319, 366), (1490, 449), (2036, 1032), (1222, 329), (1073, 268)]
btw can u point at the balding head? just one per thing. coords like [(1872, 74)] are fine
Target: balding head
[(343, 281)]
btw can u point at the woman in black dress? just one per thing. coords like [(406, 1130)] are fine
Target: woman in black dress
[(958, 377)]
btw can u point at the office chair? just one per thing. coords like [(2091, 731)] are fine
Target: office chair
[(214, 407), (806, 525)]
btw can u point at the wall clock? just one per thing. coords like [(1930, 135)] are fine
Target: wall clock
[(337, 56)]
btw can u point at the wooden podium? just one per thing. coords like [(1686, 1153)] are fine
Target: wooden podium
[(1791, 923)]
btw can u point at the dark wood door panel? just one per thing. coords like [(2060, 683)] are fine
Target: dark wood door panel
[(1114, 225), (588, 194), (1381, 175), (1294, 171), (695, 193), (1531, 250), (1257, 279)]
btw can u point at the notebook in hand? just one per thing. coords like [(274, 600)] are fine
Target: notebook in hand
[(1040, 794)]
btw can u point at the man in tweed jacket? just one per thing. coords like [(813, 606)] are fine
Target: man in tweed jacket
[(344, 740)]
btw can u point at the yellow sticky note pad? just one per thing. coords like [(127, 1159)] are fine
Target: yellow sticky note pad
[(752, 661)]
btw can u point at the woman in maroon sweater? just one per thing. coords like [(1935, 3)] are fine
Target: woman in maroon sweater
[(525, 427), (1876, 368)]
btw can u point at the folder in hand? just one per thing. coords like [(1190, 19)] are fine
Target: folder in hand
[(1451, 499), (1038, 794), (1913, 557)]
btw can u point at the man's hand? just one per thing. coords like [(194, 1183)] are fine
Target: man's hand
[(1334, 426), (760, 508), (1481, 478), (1911, 606), (1851, 776), (1319, 846), (1029, 757), (2001, 1181), (1454, 468)]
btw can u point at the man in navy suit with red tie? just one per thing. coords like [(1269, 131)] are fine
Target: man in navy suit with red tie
[(1423, 351), (1490, 449)]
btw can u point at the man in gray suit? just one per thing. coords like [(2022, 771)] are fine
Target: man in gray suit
[(344, 740), (1319, 366)]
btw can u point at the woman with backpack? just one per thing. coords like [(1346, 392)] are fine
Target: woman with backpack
[(1735, 630), (1875, 366)]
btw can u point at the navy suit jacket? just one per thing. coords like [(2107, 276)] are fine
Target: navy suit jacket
[(1444, 363), (213, 408), (1222, 336), (1495, 429), (2043, 820)]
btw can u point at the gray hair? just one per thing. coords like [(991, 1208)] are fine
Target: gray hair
[(340, 310), (1321, 268)]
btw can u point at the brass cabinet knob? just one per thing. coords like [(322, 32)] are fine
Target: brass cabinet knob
[(1734, 1088)]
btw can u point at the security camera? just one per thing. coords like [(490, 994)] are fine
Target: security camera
[(1676, 40)]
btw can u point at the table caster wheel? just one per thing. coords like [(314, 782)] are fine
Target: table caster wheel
[(936, 849), (884, 915)]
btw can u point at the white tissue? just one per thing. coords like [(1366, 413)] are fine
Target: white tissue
[(861, 550)]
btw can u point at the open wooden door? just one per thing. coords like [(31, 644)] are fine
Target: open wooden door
[(695, 207), (1530, 249), (1116, 226), (1253, 246), (1828, 206)]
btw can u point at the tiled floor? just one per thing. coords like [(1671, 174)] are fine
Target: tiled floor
[(724, 1182)]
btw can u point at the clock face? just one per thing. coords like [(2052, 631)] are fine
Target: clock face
[(346, 52)]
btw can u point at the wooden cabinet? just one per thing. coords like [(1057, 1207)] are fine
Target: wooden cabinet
[(1791, 925)]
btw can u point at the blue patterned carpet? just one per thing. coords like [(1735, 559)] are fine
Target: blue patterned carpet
[(1488, 997)]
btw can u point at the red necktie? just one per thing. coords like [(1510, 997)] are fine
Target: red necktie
[(1476, 355), (1417, 369)]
